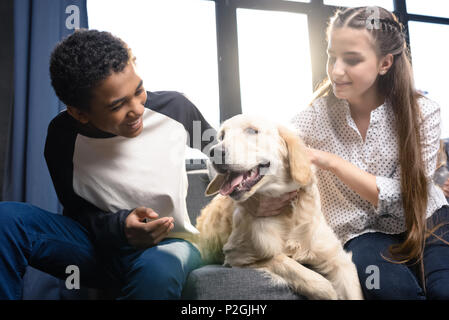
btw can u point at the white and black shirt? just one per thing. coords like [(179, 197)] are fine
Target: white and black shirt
[(100, 178), (331, 128)]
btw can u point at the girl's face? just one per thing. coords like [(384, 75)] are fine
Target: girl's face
[(353, 65)]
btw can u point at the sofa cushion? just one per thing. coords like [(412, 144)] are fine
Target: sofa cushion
[(215, 282), (198, 178)]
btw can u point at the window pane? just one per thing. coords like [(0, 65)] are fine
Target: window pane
[(438, 8), (274, 59), (387, 4), (430, 67)]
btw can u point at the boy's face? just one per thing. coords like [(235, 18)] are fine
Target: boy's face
[(117, 104)]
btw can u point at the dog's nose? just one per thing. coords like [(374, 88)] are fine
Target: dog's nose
[(218, 158)]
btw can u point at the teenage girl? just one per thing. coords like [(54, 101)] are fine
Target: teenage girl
[(375, 140)]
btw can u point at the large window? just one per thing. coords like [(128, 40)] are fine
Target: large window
[(274, 60)]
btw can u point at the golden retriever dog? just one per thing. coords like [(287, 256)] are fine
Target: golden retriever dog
[(255, 157)]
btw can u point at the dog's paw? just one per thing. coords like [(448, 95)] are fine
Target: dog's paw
[(294, 250), (322, 290), (292, 246)]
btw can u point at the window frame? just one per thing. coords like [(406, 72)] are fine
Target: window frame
[(230, 103), (227, 44)]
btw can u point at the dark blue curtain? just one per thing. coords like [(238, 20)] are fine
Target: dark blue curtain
[(38, 26)]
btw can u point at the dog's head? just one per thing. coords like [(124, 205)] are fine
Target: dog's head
[(254, 155)]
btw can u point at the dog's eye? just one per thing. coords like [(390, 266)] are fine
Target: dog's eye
[(251, 131)]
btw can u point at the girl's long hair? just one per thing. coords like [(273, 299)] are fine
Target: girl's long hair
[(398, 88)]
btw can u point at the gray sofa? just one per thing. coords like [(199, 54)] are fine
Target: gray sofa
[(216, 282)]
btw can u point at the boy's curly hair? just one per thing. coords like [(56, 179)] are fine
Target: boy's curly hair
[(81, 61)]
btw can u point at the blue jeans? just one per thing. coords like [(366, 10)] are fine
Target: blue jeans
[(381, 279), (51, 242)]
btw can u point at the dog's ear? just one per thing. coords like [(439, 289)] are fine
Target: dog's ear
[(300, 167), (215, 185)]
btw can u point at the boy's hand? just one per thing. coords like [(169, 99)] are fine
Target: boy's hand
[(143, 234)]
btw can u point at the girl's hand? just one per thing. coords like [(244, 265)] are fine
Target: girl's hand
[(360, 181), (264, 206), (322, 159)]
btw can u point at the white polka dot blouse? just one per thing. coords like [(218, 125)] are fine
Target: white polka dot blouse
[(331, 128)]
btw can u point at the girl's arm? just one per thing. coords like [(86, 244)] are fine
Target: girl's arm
[(357, 179), (384, 192)]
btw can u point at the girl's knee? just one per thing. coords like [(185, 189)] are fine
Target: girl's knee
[(379, 278), (389, 281), (438, 290)]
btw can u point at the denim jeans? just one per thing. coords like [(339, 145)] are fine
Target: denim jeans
[(381, 279), (51, 242)]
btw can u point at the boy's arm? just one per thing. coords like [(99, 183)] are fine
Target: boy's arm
[(357, 179), (105, 228)]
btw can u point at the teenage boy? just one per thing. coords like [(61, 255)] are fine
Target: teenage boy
[(116, 158)]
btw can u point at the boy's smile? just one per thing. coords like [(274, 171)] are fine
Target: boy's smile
[(117, 104)]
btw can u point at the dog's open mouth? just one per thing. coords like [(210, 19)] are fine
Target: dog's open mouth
[(236, 183)]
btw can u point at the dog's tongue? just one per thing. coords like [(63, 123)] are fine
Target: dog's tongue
[(230, 184)]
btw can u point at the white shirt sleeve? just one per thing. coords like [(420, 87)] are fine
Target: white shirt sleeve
[(430, 133), (390, 195)]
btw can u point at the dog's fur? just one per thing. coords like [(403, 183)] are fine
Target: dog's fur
[(281, 244)]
